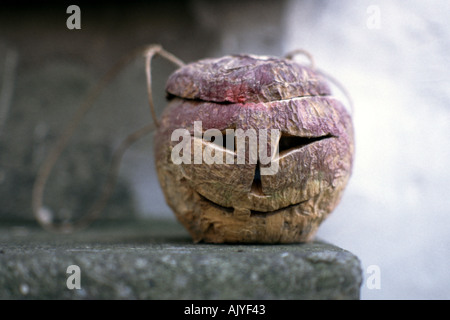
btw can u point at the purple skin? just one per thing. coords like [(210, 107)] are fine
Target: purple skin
[(227, 202), (245, 78)]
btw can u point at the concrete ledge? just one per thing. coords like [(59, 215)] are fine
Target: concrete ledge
[(157, 260)]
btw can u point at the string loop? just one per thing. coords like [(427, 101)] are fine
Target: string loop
[(42, 215), (290, 56)]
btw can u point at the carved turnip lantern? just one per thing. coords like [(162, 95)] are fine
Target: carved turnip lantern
[(252, 149)]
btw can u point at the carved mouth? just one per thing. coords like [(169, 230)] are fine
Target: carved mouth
[(253, 213)]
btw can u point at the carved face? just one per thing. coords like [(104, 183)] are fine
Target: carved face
[(243, 201)]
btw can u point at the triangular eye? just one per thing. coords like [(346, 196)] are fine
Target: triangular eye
[(288, 143)]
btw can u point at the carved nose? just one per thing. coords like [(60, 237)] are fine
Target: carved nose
[(286, 144), (256, 184)]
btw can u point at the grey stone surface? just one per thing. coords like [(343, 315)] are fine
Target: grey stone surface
[(157, 260)]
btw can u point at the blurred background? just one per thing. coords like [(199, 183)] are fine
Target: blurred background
[(392, 56)]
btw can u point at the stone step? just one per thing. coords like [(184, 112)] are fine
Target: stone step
[(157, 260)]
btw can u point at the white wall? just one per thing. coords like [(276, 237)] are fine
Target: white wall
[(396, 211)]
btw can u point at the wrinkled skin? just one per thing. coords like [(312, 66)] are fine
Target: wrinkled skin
[(228, 202)]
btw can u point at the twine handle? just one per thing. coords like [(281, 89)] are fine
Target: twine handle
[(149, 53), (42, 215), (290, 56)]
